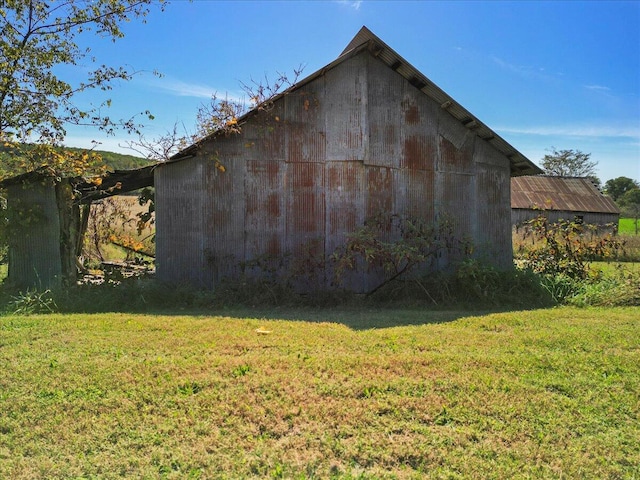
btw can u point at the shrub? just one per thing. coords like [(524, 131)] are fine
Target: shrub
[(480, 284), (395, 244), (566, 248), (621, 288)]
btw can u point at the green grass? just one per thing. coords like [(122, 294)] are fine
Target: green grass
[(532, 394), (627, 226), (613, 268)]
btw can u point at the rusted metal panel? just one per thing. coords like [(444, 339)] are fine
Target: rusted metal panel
[(421, 195), (263, 138), (380, 191), (457, 160), (455, 211), (264, 221), (223, 215), (385, 95), (345, 213), (305, 224), (492, 240), (34, 246), (365, 40), (180, 192), (305, 114), (453, 130), (419, 122), (346, 99)]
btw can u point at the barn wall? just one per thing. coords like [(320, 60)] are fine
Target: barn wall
[(34, 247), (355, 141), (180, 237), (492, 240)]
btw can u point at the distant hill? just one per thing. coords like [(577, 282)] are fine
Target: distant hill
[(113, 160), (118, 161)]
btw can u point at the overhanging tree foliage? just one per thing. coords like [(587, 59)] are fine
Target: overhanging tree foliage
[(36, 102)]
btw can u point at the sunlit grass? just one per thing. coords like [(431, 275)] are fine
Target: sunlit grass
[(627, 226), (546, 393)]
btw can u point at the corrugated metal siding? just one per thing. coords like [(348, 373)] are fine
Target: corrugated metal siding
[(366, 39), (350, 144), (345, 104), (493, 215), (305, 108), (419, 129), (264, 137), (34, 250), (224, 215), (180, 237), (265, 213), (345, 200), (384, 117), (305, 224), (521, 215)]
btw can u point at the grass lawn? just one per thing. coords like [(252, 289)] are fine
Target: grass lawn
[(612, 268), (627, 225), (318, 394)]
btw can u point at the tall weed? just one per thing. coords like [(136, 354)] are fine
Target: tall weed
[(31, 302), (621, 288)]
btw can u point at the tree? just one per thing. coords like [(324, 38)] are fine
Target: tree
[(35, 36), (37, 101), (569, 163), (617, 187)]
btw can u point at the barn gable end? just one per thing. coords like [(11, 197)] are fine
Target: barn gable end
[(352, 140)]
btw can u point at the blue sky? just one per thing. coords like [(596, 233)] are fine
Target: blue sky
[(541, 74)]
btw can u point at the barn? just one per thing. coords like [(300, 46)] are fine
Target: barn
[(561, 198), (367, 133)]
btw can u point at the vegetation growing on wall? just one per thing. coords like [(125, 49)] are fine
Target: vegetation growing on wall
[(397, 245)]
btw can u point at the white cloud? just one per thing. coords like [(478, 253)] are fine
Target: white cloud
[(598, 88), (596, 131), (355, 4), (179, 88), (184, 89), (527, 71)]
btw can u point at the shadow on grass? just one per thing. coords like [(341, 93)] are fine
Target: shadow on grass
[(149, 297), (353, 317)]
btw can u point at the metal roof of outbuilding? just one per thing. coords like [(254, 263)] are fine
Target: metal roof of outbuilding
[(573, 194), (111, 183)]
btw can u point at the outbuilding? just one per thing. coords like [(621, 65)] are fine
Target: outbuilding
[(366, 134), (561, 198), (46, 217)]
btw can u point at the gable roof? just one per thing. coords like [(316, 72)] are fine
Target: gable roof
[(520, 165), (573, 194), (366, 40)]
